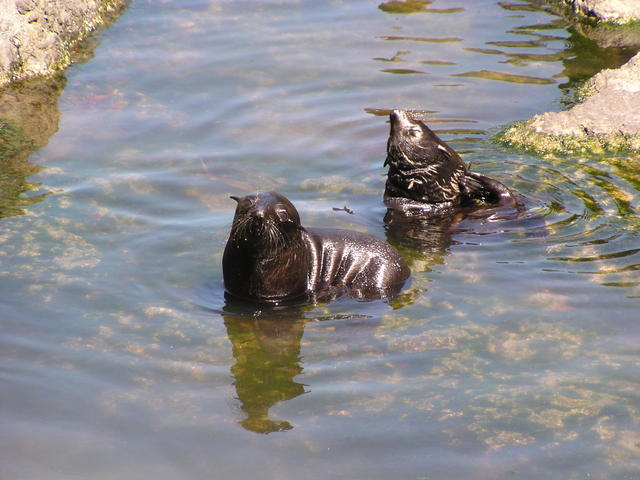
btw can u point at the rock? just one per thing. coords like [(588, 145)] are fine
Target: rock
[(616, 11), (610, 23), (37, 36), (609, 113), (612, 106), (608, 35), (37, 39), (626, 78), (607, 119)]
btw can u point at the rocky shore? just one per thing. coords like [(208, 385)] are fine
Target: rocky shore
[(37, 37), (616, 11), (38, 40), (608, 116)]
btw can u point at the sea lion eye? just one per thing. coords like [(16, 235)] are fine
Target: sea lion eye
[(246, 203), (282, 214), (415, 132)]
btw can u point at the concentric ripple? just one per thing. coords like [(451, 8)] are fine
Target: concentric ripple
[(586, 211)]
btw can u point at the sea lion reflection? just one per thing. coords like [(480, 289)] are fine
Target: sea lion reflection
[(266, 349)]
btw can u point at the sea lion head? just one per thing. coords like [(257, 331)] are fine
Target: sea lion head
[(411, 143), (421, 166), (264, 222)]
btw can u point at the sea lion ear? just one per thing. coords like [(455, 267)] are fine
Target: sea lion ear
[(232, 197)]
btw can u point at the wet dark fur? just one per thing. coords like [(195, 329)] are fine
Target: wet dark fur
[(271, 258), (426, 173)]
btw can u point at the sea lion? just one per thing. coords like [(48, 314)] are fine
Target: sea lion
[(425, 174), (270, 258)]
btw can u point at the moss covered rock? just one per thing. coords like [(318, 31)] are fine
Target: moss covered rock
[(608, 118)]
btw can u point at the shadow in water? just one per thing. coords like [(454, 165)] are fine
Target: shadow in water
[(266, 348), (426, 233), (427, 238), (29, 116), (589, 48)]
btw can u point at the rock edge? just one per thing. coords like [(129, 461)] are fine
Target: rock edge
[(608, 117), (37, 36), (616, 11)]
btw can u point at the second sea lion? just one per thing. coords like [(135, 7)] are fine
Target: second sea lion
[(427, 174)]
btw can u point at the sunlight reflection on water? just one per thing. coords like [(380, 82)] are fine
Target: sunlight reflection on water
[(511, 353)]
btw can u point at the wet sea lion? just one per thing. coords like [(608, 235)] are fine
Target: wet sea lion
[(270, 258), (425, 174)]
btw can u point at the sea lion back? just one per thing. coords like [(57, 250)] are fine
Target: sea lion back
[(364, 265)]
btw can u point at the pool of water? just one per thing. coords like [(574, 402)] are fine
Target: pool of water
[(513, 353)]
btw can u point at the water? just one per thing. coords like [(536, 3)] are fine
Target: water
[(512, 354)]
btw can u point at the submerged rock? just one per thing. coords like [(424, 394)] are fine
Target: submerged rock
[(607, 119), (37, 36), (29, 115)]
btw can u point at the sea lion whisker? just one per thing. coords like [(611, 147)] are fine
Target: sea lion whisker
[(240, 227), (275, 239)]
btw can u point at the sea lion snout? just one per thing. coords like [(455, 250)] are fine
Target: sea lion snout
[(399, 116), (257, 213), (406, 131), (400, 120)]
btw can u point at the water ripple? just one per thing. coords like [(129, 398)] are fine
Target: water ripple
[(506, 77), (422, 39)]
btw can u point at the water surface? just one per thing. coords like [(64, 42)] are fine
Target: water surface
[(513, 353)]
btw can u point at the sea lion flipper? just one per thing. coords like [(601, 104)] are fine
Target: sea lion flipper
[(478, 187)]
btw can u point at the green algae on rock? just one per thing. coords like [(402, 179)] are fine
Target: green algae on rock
[(523, 135), (607, 119)]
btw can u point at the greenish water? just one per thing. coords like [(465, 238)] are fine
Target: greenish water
[(513, 353)]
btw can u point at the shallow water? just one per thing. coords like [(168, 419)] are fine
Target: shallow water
[(512, 354)]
